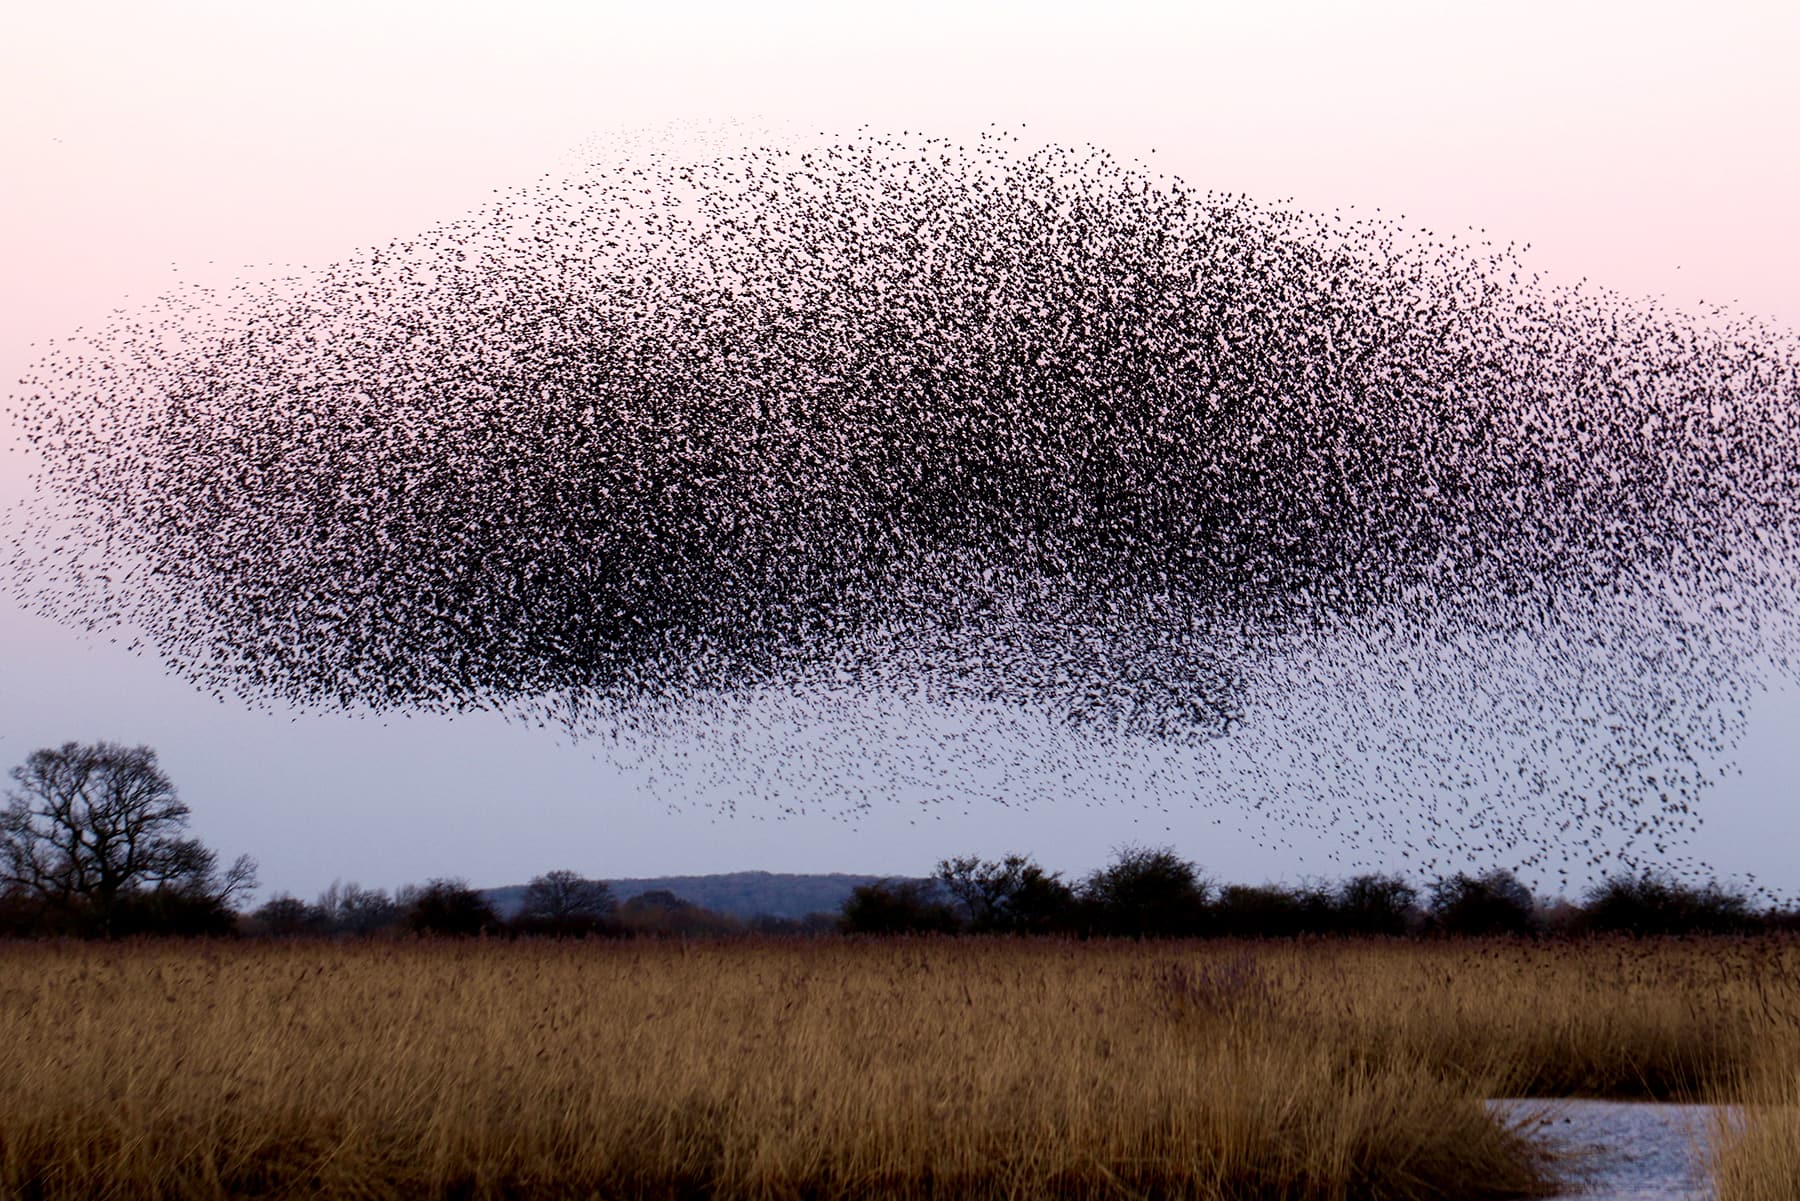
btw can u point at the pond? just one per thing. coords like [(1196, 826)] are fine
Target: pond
[(1623, 1150)]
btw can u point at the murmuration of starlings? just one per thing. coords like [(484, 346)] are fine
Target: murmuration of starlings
[(1341, 525)]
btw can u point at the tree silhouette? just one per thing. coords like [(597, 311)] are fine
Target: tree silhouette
[(1148, 892), (1656, 903), (565, 903), (897, 907), (92, 830), (449, 906), (1373, 903), (1013, 895), (285, 915), (1494, 902)]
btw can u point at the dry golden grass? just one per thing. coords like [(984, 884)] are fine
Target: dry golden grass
[(1756, 1151), (834, 1069), (1674, 1019)]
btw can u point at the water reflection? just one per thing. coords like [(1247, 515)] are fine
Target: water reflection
[(1622, 1150)]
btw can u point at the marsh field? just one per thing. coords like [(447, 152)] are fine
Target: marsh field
[(885, 1068)]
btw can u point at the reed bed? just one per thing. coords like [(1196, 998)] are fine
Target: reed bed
[(1668, 1019), (903, 1069), (1755, 1152)]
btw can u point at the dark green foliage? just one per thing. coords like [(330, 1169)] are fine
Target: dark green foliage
[(19, 917), (133, 912), (1786, 920), (1041, 904), (1363, 905)]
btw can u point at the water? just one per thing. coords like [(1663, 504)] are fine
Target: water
[(1623, 1150)]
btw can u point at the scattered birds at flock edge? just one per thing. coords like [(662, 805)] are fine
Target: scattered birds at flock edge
[(741, 461)]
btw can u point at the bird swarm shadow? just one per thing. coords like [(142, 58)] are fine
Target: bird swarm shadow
[(1035, 432)]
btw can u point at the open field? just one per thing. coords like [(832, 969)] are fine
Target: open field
[(849, 1069)]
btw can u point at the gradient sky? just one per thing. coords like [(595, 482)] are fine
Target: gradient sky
[(143, 146)]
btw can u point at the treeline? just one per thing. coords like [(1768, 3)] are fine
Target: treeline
[(558, 904), (1155, 893), (1142, 893), (94, 843), (747, 894), (166, 909)]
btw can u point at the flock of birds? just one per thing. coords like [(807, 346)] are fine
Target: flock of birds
[(1001, 464)]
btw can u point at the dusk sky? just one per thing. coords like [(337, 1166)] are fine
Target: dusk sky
[(149, 147)]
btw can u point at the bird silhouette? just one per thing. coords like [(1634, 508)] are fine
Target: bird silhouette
[(741, 462)]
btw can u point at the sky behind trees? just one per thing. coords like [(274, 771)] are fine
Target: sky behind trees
[(155, 147)]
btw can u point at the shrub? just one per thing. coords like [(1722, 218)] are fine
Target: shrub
[(1375, 904), (1655, 903), (449, 907), (285, 916), (1492, 903), (1147, 892), (1013, 895), (1265, 911), (897, 907), (660, 913), (178, 912)]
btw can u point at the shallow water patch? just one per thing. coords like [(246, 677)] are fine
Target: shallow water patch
[(1622, 1150)]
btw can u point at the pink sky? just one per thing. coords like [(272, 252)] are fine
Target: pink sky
[(1643, 145)]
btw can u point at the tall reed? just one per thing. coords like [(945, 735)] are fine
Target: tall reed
[(904, 1069), (1755, 1149)]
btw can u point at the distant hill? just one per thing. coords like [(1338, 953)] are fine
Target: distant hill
[(743, 894)]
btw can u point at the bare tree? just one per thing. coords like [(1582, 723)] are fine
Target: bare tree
[(566, 893), (564, 899), (353, 909), (87, 826), (1010, 895)]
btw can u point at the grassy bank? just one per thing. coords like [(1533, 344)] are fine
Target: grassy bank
[(899, 1069)]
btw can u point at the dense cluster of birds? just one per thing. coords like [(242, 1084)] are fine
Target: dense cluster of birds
[(960, 450)]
